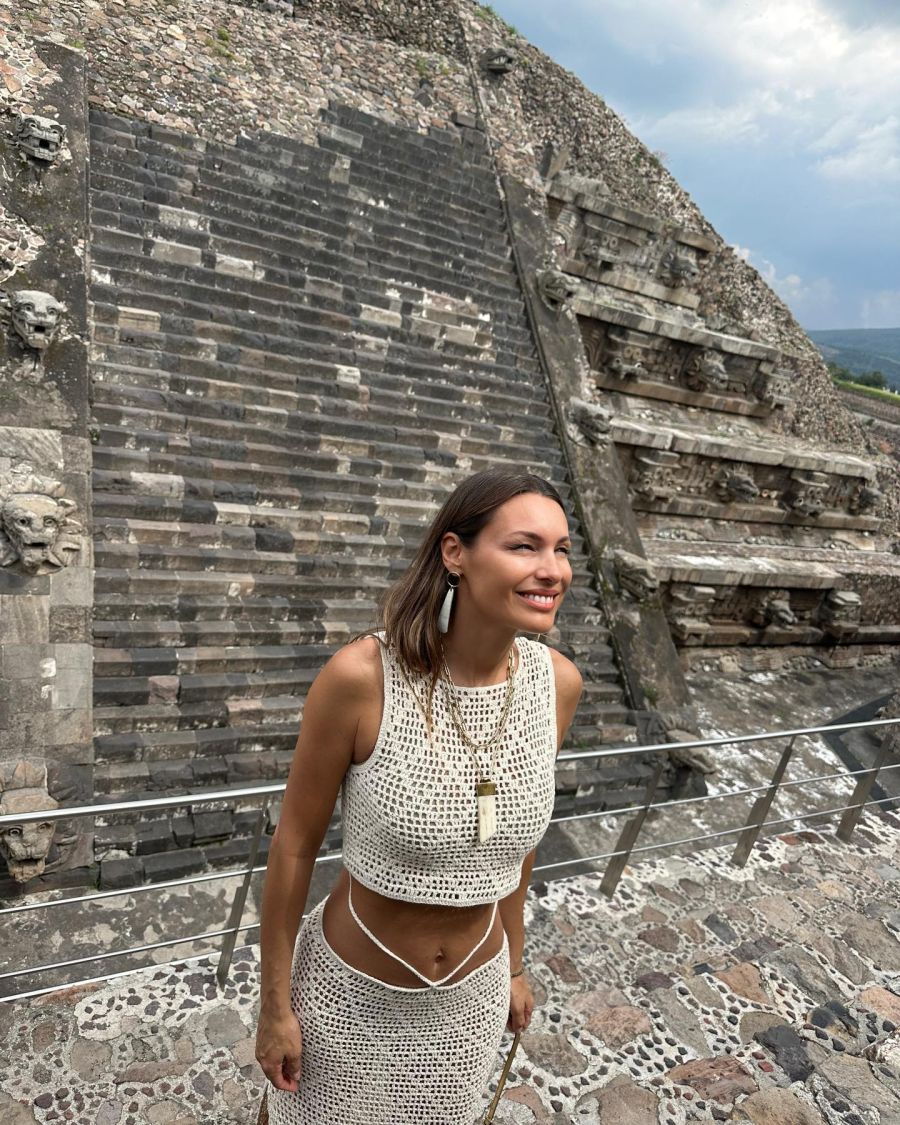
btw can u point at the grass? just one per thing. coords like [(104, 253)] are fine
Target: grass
[(873, 392), (486, 11)]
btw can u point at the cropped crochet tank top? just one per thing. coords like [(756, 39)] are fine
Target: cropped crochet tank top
[(410, 812)]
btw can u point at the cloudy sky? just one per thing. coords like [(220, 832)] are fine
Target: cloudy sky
[(781, 117)]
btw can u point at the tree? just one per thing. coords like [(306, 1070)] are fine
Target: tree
[(871, 379)]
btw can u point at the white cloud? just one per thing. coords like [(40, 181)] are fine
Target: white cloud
[(881, 309), (794, 72)]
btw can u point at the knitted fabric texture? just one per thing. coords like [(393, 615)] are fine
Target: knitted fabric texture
[(380, 1054), (409, 811)]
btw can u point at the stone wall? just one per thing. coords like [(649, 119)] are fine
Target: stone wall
[(45, 454)]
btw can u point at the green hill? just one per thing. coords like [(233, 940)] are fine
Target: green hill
[(862, 349)]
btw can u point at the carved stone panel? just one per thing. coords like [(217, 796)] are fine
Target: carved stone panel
[(688, 608), (588, 422), (839, 614), (34, 316), (663, 361), (23, 788), (627, 249), (654, 474), (634, 575), (806, 494), (498, 60), (41, 138), (555, 290), (38, 534)]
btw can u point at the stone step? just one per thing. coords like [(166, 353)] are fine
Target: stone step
[(319, 580), (341, 345), (352, 189), (312, 247), (342, 340), (211, 200), (393, 471), (259, 660), (383, 405), (406, 373), (134, 409), (265, 520), (127, 471), (330, 266), (292, 298), (460, 191), (173, 536)]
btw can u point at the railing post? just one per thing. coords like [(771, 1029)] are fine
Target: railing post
[(236, 914), (760, 810), (629, 833), (863, 791)]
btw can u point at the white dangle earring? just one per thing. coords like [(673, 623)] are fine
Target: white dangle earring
[(444, 615)]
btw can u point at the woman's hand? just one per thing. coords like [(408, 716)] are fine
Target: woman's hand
[(521, 1004), (278, 1047)]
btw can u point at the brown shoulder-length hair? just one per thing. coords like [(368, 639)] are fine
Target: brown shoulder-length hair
[(409, 611)]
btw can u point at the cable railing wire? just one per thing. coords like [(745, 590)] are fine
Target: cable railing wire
[(616, 858)]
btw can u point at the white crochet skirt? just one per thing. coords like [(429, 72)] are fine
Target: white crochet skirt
[(380, 1054)]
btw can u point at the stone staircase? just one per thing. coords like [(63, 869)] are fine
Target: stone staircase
[(297, 351)]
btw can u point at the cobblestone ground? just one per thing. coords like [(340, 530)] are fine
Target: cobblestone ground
[(703, 992)]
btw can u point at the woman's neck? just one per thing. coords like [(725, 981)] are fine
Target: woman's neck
[(477, 660)]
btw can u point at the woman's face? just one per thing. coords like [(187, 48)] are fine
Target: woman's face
[(517, 570)]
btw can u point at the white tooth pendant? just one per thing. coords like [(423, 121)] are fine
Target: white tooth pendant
[(443, 623)]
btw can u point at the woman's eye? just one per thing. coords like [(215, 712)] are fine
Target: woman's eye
[(565, 550), (519, 546)]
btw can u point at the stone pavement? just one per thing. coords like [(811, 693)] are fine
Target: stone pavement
[(703, 992)]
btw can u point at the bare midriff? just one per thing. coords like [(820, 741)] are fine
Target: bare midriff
[(432, 938)]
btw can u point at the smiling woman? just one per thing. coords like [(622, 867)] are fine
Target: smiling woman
[(440, 731)]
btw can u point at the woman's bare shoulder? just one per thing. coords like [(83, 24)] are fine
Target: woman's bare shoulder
[(355, 668), (569, 682)]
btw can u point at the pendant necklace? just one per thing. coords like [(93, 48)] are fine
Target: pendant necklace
[(485, 786)]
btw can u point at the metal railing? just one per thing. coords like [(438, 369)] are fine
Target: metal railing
[(617, 859)]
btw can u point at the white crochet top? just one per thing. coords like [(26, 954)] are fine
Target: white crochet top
[(410, 812)]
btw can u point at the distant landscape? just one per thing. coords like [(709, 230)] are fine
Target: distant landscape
[(862, 350)]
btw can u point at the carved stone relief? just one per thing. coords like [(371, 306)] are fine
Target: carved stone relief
[(498, 60), (555, 290), (865, 499), (635, 575), (40, 138), (34, 316), (589, 422), (679, 269), (774, 389), (624, 354), (806, 493), (25, 846), (654, 474), (705, 371), (839, 614), (774, 608), (689, 607), (735, 487), (37, 532)]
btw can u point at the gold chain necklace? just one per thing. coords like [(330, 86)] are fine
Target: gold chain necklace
[(485, 786)]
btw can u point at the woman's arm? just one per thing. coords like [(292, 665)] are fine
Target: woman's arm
[(569, 686), (335, 702)]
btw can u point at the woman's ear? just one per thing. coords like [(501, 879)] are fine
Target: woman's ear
[(451, 551)]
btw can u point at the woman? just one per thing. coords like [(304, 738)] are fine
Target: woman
[(441, 734)]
